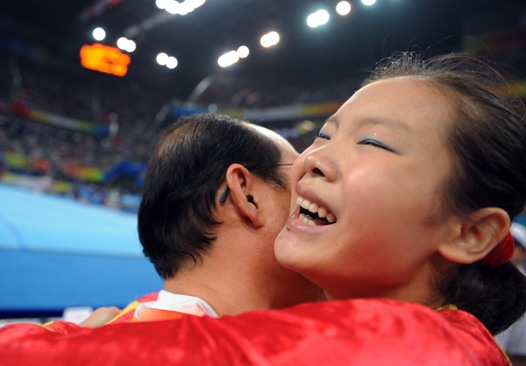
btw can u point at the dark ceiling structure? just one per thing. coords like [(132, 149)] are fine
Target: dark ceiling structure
[(360, 39)]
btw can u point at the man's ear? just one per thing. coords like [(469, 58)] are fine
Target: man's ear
[(242, 185), (476, 236)]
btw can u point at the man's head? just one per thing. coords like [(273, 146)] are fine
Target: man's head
[(177, 213)]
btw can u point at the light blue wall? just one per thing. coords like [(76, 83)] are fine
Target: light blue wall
[(56, 252)]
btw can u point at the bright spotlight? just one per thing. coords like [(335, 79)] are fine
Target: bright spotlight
[(130, 46), (185, 8), (126, 44), (343, 8), (270, 39), (228, 59), (162, 58), (180, 8), (318, 18), (122, 43), (171, 62), (162, 4), (368, 2), (173, 7), (243, 51), (99, 34)]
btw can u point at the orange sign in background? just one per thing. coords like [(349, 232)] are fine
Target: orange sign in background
[(107, 59)]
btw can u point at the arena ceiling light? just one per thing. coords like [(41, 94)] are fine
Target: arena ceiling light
[(175, 7), (171, 62), (343, 8), (269, 39), (318, 18), (243, 51), (231, 57), (228, 59), (98, 34), (368, 2), (126, 44), (165, 60)]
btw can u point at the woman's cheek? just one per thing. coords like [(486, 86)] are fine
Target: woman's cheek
[(298, 170)]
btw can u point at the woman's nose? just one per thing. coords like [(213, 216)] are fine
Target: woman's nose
[(318, 163)]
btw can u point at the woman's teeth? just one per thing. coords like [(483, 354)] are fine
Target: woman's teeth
[(313, 214)]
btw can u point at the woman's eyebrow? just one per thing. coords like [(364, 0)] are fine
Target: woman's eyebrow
[(373, 121)]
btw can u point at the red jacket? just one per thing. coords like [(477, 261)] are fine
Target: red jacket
[(354, 332)]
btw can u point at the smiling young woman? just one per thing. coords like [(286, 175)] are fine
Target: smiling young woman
[(400, 210), (421, 171)]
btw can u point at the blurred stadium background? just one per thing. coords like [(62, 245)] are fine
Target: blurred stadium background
[(86, 85)]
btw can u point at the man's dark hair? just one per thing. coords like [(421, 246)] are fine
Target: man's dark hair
[(176, 215)]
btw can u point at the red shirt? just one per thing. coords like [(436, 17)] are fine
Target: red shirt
[(354, 332)]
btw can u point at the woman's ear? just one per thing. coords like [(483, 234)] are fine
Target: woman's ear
[(476, 236), (242, 185)]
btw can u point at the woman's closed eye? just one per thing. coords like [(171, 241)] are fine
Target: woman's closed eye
[(376, 143), (322, 135)]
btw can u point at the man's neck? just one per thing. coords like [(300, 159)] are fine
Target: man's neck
[(226, 295), (242, 286), (236, 276)]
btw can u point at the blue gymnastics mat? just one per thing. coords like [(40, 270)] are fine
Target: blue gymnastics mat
[(56, 253)]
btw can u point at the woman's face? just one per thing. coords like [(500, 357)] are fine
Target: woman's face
[(370, 190)]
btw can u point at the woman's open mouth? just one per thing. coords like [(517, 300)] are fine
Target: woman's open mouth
[(313, 214)]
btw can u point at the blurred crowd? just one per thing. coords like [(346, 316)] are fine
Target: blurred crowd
[(89, 135), (61, 132), (255, 92)]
